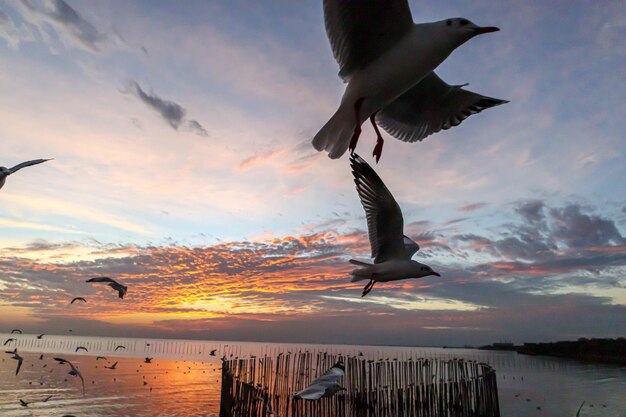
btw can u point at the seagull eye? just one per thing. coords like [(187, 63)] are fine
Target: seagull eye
[(464, 22)]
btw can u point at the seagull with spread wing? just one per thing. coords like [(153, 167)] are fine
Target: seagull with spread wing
[(388, 61), (73, 371), (18, 358), (121, 289), (326, 385), (5, 172), (78, 299), (391, 249)]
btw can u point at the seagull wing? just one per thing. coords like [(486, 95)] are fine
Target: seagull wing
[(19, 363), (78, 299), (384, 217), (61, 361), (410, 246), (360, 31), (432, 105), (318, 387), (102, 279), (27, 164)]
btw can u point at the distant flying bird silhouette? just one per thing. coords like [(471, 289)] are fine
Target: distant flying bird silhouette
[(121, 289), (148, 360), (391, 249), (388, 61), (213, 352), (112, 366), (8, 341), (41, 356), (78, 299), (41, 335), (5, 172), (16, 331), (18, 358), (81, 347), (119, 347), (73, 371), (326, 385), (100, 357), (25, 404)]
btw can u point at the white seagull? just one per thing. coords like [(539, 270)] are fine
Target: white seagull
[(5, 172), (326, 385), (391, 249), (121, 289), (388, 62)]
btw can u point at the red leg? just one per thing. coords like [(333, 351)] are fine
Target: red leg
[(368, 288), (357, 126), (378, 149)]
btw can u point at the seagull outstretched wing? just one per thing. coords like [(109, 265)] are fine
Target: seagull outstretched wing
[(410, 246), (432, 105), (27, 164), (324, 386), (360, 31), (121, 289), (384, 217)]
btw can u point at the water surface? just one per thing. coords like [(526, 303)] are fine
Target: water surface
[(184, 380)]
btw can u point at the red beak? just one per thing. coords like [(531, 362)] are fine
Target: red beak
[(486, 29)]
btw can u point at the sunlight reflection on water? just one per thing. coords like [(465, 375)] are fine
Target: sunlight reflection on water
[(183, 380)]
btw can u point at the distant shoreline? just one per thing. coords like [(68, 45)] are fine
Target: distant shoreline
[(609, 351)]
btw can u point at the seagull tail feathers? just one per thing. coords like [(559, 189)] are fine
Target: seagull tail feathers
[(336, 134), (361, 274)]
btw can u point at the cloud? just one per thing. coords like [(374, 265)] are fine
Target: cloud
[(70, 26), (173, 113), (195, 126), (578, 230), (468, 208), (245, 289)]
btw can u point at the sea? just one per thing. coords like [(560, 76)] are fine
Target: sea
[(184, 379)]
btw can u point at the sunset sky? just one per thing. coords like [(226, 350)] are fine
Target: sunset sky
[(180, 133)]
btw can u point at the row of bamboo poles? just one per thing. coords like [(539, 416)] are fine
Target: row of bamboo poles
[(263, 387)]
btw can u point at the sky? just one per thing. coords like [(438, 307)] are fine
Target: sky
[(183, 168)]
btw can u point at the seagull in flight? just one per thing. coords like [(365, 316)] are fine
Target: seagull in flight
[(18, 358), (148, 360), (6, 342), (41, 335), (119, 347), (213, 352), (73, 371), (78, 299), (121, 289), (100, 357), (5, 172), (326, 385), (391, 249), (387, 62), (79, 348), (112, 366), (16, 331)]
